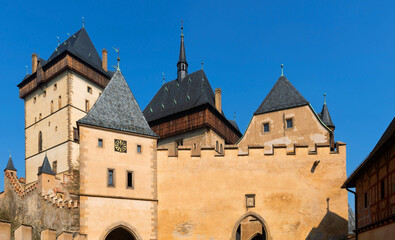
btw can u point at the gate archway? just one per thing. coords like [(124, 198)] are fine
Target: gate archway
[(120, 231), (251, 226)]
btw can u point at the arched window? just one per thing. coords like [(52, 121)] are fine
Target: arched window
[(60, 102), (222, 149), (217, 146), (40, 141), (51, 106)]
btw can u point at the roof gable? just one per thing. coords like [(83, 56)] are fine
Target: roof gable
[(117, 109), (283, 95), (180, 95)]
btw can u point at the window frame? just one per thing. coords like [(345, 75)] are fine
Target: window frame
[(108, 177), (264, 125), (139, 148), (100, 141), (127, 179), (292, 122)]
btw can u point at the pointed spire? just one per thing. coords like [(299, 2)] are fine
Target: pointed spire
[(83, 22), (46, 167), (182, 65), (10, 165), (325, 116)]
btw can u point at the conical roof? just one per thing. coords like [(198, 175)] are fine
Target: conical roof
[(326, 117), (182, 57), (117, 109), (10, 165), (46, 167), (282, 96)]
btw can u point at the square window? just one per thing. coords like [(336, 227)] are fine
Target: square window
[(250, 200), (139, 148), (100, 142), (266, 127), (290, 123), (130, 179), (111, 174)]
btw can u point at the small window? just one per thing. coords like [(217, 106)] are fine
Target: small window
[(34, 100), (217, 146), (100, 142), (86, 106), (35, 119), (89, 90), (382, 188), (289, 123), (40, 141), (55, 167), (39, 116), (60, 102), (194, 146), (130, 179), (221, 150), (51, 106), (44, 93), (266, 127), (180, 142), (139, 148), (366, 200), (111, 173), (55, 86), (56, 128)]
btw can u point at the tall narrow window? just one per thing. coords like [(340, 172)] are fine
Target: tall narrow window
[(39, 116), (60, 102), (290, 123), (111, 178), (55, 86), (266, 127), (86, 106), (139, 148), (51, 106), (129, 179), (217, 146), (89, 90), (100, 142), (55, 167), (221, 150), (366, 200), (40, 141)]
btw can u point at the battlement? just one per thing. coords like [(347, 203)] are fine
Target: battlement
[(25, 232), (257, 149), (17, 185)]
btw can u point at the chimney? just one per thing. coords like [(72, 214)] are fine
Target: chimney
[(34, 62), (218, 103), (104, 59)]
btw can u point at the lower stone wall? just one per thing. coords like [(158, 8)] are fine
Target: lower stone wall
[(40, 212), (382, 233)]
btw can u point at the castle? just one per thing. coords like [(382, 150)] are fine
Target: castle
[(97, 167)]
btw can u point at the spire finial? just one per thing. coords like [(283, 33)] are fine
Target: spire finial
[(202, 63), (163, 74), (324, 98), (182, 28), (27, 70), (234, 116), (282, 69), (9, 152), (83, 22), (58, 40), (118, 58)]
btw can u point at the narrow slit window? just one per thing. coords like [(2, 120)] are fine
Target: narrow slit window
[(266, 127), (366, 200), (382, 188), (51, 106), (55, 166), (111, 177), (139, 148), (100, 142), (290, 123), (89, 90), (130, 179), (55, 86), (87, 106)]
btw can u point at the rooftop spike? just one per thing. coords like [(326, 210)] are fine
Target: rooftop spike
[(163, 74), (46, 167), (282, 69), (83, 22), (10, 165), (325, 116), (182, 65), (118, 58)]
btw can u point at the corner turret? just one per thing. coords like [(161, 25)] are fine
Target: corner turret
[(46, 177), (10, 165)]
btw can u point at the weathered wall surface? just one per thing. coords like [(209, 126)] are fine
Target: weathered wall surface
[(307, 129), (104, 207), (35, 210), (386, 232), (203, 197)]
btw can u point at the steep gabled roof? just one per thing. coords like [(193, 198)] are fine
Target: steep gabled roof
[(325, 116), (10, 165), (117, 109), (45, 167), (282, 96), (80, 45), (180, 95)]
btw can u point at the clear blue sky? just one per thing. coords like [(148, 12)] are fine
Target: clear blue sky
[(345, 49)]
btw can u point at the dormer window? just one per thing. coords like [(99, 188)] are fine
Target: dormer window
[(290, 123)]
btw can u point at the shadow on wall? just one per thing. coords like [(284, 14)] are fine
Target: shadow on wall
[(332, 227)]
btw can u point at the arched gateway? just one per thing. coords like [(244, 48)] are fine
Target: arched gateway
[(121, 233), (250, 226)]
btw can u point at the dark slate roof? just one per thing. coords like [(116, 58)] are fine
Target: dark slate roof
[(282, 96), (325, 116), (388, 135), (46, 167), (233, 122), (10, 165), (80, 45), (116, 108), (179, 95)]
